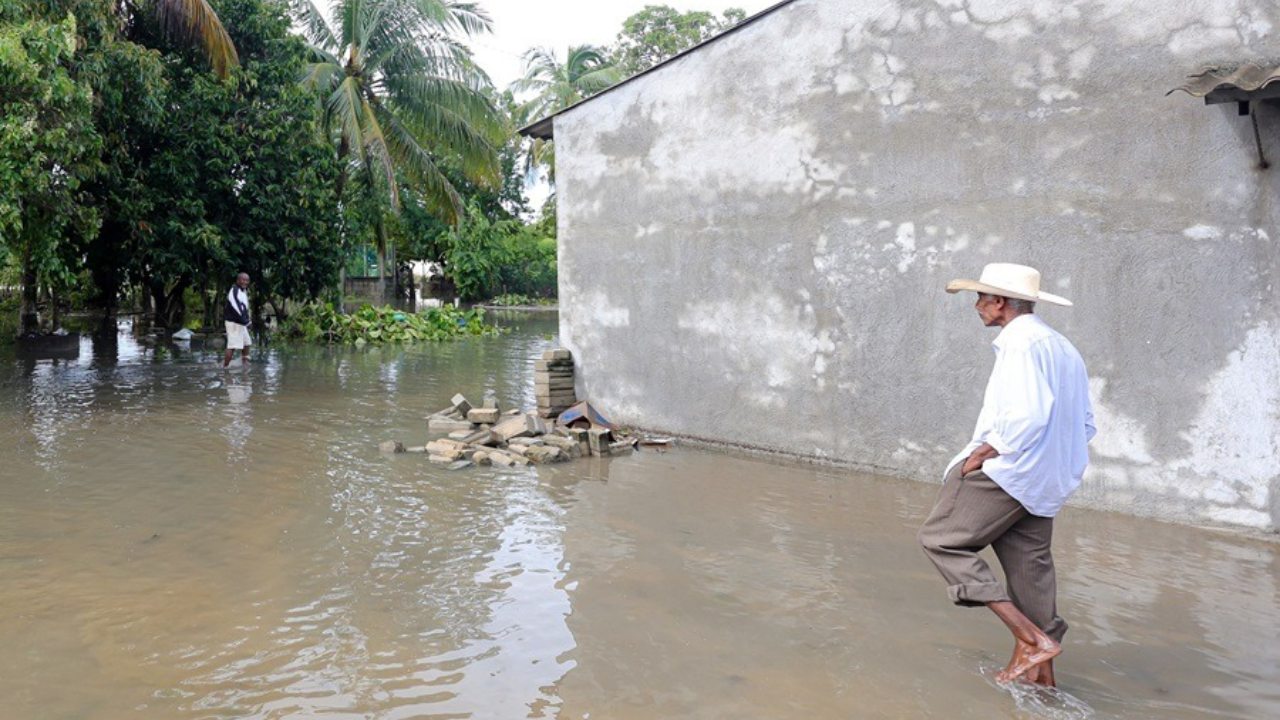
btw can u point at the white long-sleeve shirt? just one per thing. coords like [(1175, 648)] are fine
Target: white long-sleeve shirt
[(1036, 413)]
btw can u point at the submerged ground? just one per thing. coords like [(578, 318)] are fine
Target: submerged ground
[(180, 542)]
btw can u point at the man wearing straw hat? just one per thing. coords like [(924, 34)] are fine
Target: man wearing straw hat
[(1028, 452)]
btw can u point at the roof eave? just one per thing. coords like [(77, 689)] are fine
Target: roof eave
[(544, 129)]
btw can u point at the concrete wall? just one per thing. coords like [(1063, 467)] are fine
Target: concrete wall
[(754, 239)]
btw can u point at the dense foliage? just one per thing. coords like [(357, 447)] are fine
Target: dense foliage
[(152, 149), (48, 148), (378, 325)]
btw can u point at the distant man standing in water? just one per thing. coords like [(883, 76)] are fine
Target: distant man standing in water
[(1028, 453), (236, 316)]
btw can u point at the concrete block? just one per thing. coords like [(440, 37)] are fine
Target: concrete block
[(537, 426), (460, 405), (416, 449), (598, 440), (483, 415), (557, 374), (481, 457), (391, 446), (544, 454), (501, 459), (441, 459), (460, 464), (518, 426), (580, 436), (482, 435), (447, 448), (624, 447), (460, 434), (559, 441), (443, 423), (543, 365), (557, 399), (490, 403), (557, 354)]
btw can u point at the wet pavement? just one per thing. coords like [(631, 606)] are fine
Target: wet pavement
[(177, 541)]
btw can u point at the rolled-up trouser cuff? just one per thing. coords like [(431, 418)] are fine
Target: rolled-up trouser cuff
[(1057, 629), (975, 594)]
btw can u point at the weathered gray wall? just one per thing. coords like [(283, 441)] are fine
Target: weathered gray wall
[(754, 239)]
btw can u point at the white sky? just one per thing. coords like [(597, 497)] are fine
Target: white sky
[(521, 24)]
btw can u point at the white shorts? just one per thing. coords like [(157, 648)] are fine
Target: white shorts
[(237, 336)]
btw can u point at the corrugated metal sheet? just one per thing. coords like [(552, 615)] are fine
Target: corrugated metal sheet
[(1247, 78)]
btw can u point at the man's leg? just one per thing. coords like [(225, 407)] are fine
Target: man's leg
[(1024, 553), (226, 357), (973, 512)]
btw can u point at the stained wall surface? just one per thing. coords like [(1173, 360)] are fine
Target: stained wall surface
[(754, 238)]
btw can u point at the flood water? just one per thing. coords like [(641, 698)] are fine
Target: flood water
[(181, 542)]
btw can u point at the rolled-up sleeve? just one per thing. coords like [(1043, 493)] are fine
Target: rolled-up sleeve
[(1024, 402)]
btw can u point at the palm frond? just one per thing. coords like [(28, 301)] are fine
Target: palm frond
[(320, 75), (314, 24), (195, 21), (345, 110), (377, 155), (422, 170)]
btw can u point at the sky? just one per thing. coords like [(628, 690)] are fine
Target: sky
[(521, 24)]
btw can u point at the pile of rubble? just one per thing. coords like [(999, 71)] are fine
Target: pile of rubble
[(487, 436)]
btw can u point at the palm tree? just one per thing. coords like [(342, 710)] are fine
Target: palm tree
[(556, 85), (400, 91)]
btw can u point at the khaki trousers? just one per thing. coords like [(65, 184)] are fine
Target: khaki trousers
[(973, 512)]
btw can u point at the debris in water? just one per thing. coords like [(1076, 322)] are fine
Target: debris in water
[(516, 438)]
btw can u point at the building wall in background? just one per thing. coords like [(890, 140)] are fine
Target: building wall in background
[(754, 238)]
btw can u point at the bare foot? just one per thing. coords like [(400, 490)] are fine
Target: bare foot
[(1026, 657), (1044, 675)]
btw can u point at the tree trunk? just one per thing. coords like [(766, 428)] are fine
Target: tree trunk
[(28, 314), (381, 226), (159, 306), (209, 298), (55, 313)]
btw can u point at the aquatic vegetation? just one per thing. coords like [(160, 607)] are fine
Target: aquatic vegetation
[(520, 300), (381, 325)]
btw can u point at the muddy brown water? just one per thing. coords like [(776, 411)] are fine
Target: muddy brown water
[(179, 542)]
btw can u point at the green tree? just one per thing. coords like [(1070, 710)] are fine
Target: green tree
[(487, 257), (401, 94), (659, 31), (48, 146), (237, 177), (556, 85), (421, 235)]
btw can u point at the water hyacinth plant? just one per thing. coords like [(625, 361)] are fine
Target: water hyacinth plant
[(381, 325)]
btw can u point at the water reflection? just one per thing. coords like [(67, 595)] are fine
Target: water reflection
[(179, 541)]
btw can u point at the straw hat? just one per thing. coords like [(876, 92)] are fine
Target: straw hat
[(1008, 280)]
